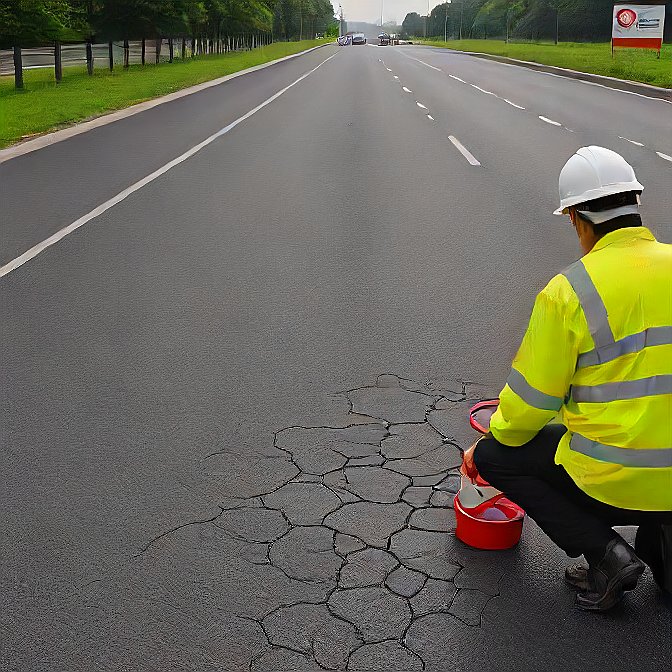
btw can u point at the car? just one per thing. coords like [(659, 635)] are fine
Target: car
[(383, 40), (359, 38)]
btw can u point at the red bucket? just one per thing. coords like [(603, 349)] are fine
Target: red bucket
[(492, 526)]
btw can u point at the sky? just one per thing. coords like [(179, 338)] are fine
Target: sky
[(394, 10)]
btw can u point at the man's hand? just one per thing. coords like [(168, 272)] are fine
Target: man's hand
[(468, 465)]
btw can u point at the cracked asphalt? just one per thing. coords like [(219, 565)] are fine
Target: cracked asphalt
[(232, 404)]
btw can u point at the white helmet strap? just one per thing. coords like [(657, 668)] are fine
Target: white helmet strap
[(605, 215)]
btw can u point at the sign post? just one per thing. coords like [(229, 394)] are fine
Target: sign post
[(638, 26)]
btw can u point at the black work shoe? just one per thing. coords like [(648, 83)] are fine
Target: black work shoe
[(617, 572), (577, 577)]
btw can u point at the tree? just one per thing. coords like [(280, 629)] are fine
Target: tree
[(413, 24)]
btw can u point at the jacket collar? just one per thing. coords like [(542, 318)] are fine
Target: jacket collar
[(623, 236)]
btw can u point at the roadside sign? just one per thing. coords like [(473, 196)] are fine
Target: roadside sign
[(638, 26)]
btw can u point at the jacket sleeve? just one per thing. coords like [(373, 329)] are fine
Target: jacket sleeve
[(542, 370)]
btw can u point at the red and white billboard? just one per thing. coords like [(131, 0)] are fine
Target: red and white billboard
[(638, 26)]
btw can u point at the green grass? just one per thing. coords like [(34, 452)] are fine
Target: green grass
[(638, 65), (43, 105)]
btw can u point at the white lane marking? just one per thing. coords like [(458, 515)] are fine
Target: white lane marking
[(457, 78), (506, 100), (395, 76), (465, 152), (634, 142), (490, 93), (110, 203), (419, 61), (389, 69), (406, 89), (667, 157), (603, 86), (420, 105), (430, 117), (550, 121)]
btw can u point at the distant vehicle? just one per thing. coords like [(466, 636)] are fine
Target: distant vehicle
[(344, 40), (383, 40), (359, 38)]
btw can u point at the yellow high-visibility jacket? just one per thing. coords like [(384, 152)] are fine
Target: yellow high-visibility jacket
[(598, 355)]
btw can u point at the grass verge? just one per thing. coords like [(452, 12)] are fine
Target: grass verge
[(637, 65), (43, 105)]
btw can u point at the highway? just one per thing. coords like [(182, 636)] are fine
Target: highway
[(388, 213)]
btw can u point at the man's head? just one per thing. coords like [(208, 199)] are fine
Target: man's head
[(600, 193)]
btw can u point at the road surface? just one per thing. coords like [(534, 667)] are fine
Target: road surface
[(362, 251)]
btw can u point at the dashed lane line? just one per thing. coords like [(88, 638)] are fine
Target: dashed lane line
[(406, 89), (420, 105), (430, 117), (634, 142), (667, 157), (464, 151), (489, 93), (506, 100), (550, 121), (122, 195), (423, 62)]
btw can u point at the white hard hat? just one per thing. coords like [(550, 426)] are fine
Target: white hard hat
[(594, 172)]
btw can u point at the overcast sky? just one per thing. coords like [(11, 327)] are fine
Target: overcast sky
[(395, 10)]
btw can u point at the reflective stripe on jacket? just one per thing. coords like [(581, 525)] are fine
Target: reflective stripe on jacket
[(598, 355)]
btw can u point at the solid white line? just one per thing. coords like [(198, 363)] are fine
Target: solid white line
[(58, 136), (550, 121), (407, 90), (506, 100), (634, 142), (430, 117), (457, 78), (420, 105), (465, 152), (667, 157), (603, 86), (96, 212)]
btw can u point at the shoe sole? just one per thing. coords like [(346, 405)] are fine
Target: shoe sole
[(624, 581)]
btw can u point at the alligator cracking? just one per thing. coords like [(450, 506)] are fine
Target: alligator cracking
[(365, 528)]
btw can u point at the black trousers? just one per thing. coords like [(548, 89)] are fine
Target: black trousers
[(574, 521)]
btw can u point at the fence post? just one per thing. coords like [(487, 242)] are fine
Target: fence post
[(127, 55), (58, 63), (89, 56), (110, 56), (171, 51), (184, 48), (18, 67), (143, 51)]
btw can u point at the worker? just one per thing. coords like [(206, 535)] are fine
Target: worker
[(582, 438)]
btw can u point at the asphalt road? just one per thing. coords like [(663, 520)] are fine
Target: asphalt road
[(336, 234)]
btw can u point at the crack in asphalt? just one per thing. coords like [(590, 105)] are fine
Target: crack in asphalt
[(347, 495)]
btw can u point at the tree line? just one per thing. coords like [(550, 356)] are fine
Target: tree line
[(208, 26), (569, 20)]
